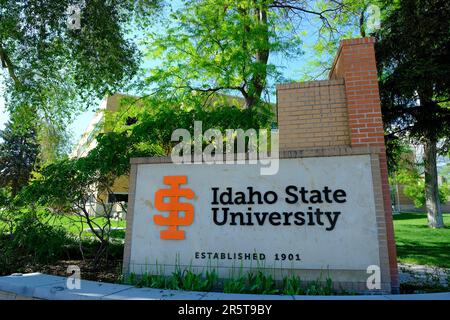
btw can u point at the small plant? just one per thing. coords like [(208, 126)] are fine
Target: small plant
[(292, 286), (191, 281), (235, 285), (261, 283), (317, 288), (179, 280), (144, 281), (130, 279), (211, 280), (256, 283)]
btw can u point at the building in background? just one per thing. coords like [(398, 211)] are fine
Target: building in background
[(118, 198)]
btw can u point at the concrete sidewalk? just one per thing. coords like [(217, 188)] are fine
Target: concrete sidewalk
[(46, 287)]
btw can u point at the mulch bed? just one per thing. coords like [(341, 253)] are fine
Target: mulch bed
[(107, 271)]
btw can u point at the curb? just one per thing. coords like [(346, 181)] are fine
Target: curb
[(38, 286)]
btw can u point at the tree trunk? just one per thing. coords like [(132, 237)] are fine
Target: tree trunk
[(258, 81), (362, 22), (433, 204)]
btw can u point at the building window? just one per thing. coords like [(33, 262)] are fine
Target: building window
[(117, 197)]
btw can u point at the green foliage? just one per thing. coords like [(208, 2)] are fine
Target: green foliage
[(317, 288), (7, 213), (292, 286), (53, 71), (18, 153), (190, 281), (33, 242), (51, 66), (414, 185), (396, 150), (416, 192), (414, 65), (4, 197), (352, 19), (42, 242), (261, 283), (255, 283), (235, 285), (155, 120), (445, 171), (224, 46), (54, 142), (180, 279)]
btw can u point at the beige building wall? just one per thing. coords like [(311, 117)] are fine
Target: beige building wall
[(88, 142)]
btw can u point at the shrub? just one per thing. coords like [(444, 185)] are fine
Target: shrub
[(32, 242)]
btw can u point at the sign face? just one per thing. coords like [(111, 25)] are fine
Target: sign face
[(315, 213)]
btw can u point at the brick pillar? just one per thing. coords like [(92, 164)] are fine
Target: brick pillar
[(356, 64)]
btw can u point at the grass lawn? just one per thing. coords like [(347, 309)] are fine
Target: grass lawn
[(74, 225), (418, 244)]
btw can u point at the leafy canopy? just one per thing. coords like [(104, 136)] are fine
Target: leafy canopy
[(52, 68), (413, 52), (211, 46)]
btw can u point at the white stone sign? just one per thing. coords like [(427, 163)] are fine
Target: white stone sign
[(315, 213)]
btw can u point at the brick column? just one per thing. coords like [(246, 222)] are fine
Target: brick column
[(356, 64)]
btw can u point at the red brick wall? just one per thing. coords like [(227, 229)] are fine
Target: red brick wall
[(356, 64)]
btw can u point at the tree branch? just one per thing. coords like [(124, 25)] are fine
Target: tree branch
[(6, 63)]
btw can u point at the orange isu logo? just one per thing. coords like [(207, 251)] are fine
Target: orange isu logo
[(174, 207)]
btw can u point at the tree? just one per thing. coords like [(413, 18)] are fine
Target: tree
[(60, 55), (413, 53), (225, 46), (409, 173), (358, 18), (54, 142), (18, 152)]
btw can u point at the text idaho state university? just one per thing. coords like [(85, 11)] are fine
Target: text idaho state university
[(311, 215)]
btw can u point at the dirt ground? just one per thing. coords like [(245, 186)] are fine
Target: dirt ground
[(107, 271)]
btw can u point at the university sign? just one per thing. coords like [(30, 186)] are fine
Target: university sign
[(311, 215)]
